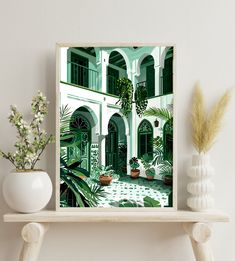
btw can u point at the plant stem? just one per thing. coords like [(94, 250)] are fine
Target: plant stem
[(9, 158), (40, 153)]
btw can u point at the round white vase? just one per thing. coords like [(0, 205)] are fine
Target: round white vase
[(28, 191), (201, 185)]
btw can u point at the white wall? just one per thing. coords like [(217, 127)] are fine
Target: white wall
[(203, 32)]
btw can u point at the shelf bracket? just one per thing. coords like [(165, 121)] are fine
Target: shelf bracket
[(32, 234), (199, 234)]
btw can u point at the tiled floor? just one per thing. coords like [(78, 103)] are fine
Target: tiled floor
[(127, 188)]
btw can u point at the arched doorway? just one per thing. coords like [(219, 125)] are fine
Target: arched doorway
[(116, 144), (81, 127), (145, 139), (147, 75), (116, 69), (167, 73)]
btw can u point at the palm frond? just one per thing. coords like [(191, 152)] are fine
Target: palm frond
[(161, 113)]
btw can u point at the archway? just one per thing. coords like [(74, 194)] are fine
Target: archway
[(117, 68), (81, 124), (147, 75), (116, 144)]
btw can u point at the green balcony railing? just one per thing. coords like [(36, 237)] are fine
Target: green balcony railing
[(82, 76)]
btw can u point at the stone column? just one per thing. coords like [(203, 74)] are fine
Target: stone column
[(102, 150), (64, 64), (103, 71), (157, 71)]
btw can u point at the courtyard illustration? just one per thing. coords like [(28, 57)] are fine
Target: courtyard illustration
[(116, 126)]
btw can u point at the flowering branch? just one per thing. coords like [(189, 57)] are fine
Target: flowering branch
[(31, 140)]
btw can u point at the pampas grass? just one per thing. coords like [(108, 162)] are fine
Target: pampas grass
[(205, 126)]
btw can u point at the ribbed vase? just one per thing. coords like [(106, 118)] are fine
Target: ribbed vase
[(201, 185)]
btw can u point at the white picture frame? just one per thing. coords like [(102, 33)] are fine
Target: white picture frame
[(60, 79)]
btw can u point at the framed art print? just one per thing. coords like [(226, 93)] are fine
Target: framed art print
[(115, 127)]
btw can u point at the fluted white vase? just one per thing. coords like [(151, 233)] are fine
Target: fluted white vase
[(201, 185)]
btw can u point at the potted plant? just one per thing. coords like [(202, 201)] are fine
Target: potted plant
[(148, 166), (135, 172), (27, 189), (126, 91), (205, 127), (166, 171), (105, 174)]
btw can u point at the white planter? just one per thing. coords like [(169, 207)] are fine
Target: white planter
[(201, 185), (27, 192)]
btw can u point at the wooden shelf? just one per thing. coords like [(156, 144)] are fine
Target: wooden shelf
[(196, 225), (117, 216)]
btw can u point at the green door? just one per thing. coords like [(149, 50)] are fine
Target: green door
[(79, 70), (111, 144), (81, 126)]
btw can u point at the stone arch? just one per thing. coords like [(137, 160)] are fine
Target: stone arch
[(92, 113), (127, 129), (125, 57), (163, 56), (140, 60)]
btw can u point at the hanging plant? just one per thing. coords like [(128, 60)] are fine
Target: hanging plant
[(125, 88), (141, 99)]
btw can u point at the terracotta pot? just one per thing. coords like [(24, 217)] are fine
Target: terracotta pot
[(135, 173), (168, 180), (150, 177), (105, 180)]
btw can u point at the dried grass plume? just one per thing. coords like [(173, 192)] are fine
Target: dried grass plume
[(205, 126)]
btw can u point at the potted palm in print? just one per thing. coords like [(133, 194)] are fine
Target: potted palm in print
[(164, 146), (148, 166)]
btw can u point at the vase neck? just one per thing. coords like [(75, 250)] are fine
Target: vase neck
[(200, 159)]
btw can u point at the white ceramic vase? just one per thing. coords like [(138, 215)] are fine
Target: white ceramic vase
[(27, 192), (201, 185)]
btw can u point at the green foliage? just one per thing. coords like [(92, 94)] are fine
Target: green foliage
[(125, 89), (31, 139), (158, 151), (141, 100), (148, 202), (74, 191), (134, 163), (166, 168), (151, 202), (148, 165), (124, 203), (104, 170), (161, 113)]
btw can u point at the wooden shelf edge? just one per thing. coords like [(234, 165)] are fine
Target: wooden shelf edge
[(111, 216)]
